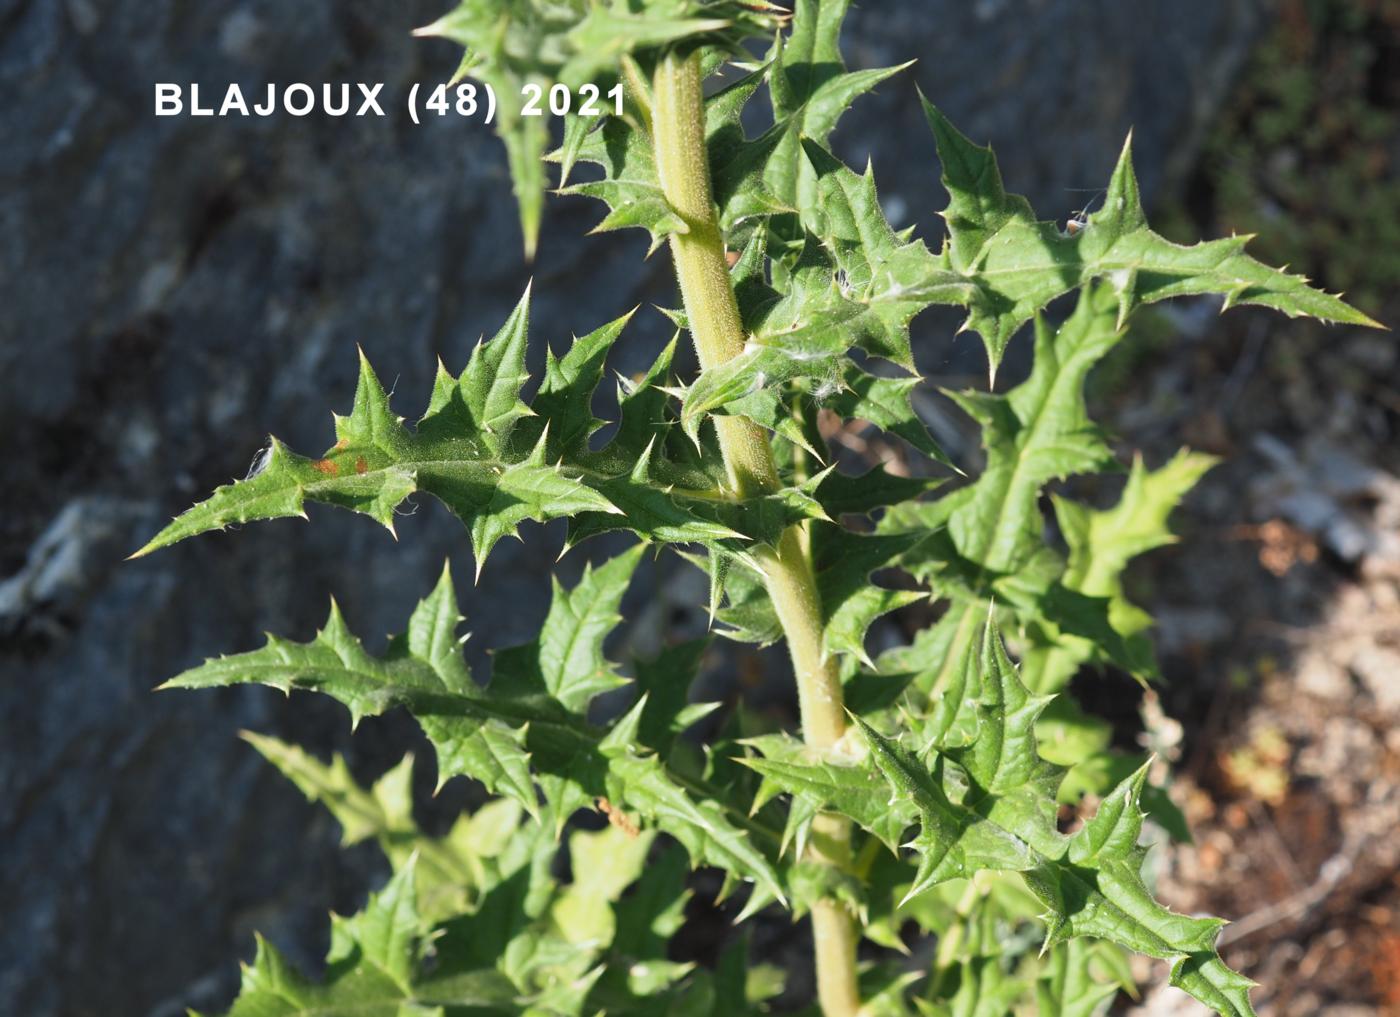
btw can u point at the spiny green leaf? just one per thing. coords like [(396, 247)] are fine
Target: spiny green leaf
[(867, 691), (946, 665), (986, 541), (382, 811), (647, 917), (855, 284), (489, 388), (1205, 976), (953, 841), (996, 810), (708, 829), (513, 938), (451, 873), (830, 781), (474, 734), (886, 403), (1037, 433), (747, 614), (604, 864), (513, 43), (631, 186), (494, 461), (811, 88), (764, 176), (1018, 263), (531, 489), (850, 601), (371, 967), (526, 735), (843, 494), (567, 660), (821, 274), (883, 277), (863, 297), (1003, 759), (799, 337), (565, 397), (1114, 830), (1101, 543)]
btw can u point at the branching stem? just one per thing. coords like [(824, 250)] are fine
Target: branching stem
[(678, 132)]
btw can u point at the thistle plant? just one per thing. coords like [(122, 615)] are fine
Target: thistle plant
[(922, 796)]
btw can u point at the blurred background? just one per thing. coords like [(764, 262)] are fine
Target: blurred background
[(172, 290)]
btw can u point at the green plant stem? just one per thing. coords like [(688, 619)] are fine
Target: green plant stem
[(678, 133), (678, 126)]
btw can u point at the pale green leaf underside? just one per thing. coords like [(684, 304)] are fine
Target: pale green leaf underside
[(476, 921)]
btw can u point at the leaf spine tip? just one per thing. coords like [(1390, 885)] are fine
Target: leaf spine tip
[(430, 30)]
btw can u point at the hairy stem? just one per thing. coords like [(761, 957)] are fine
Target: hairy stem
[(678, 131), (678, 125), (792, 586)]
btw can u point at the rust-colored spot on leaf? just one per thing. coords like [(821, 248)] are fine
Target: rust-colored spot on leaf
[(360, 465), (618, 818), (327, 467), (341, 445)]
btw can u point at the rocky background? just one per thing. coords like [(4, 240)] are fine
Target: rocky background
[(173, 289)]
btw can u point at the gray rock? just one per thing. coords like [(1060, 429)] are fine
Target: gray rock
[(174, 288)]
